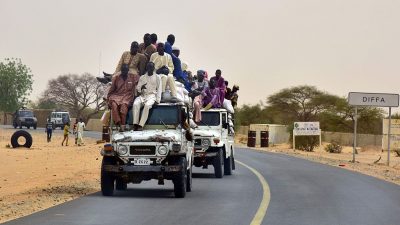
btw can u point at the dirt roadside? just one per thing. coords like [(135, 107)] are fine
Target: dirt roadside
[(45, 175), (369, 160)]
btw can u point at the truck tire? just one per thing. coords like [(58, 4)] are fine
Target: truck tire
[(34, 127), (18, 134), (218, 164), (189, 180), (107, 180), (181, 179), (28, 127), (120, 185), (228, 165), (15, 125)]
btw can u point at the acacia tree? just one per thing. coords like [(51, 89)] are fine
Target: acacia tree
[(15, 85), (301, 103), (76, 93)]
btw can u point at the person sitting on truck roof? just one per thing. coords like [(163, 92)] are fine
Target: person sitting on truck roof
[(179, 73), (234, 96), (228, 91), (212, 97), (149, 88), (136, 61), (220, 85), (121, 94), (153, 38), (146, 47), (169, 43), (198, 91), (164, 66)]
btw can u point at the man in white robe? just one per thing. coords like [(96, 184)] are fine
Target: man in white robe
[(164, 66), (149, 88)]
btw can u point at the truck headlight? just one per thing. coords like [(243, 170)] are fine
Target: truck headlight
[(205, 142), (122, 150), (162, 150)]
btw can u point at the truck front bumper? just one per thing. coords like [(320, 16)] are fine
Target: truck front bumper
[(141, 169)]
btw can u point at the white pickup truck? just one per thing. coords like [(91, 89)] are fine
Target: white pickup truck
[(214, 142), (163, 150)]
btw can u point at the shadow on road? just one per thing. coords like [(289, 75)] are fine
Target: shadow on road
[(203, 175), (139, 193)]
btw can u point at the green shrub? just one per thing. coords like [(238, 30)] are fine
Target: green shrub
[(333, 148), (307, 143)]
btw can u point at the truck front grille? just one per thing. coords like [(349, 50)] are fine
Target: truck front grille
[(142, 150), (197, 142)]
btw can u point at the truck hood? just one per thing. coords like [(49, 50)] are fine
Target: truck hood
[(148, 135), (207, 133)]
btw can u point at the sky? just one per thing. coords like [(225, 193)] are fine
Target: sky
[(261, 45)]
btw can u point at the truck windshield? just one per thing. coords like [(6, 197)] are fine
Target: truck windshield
[(26, 113), (209, 119), (163, 115)]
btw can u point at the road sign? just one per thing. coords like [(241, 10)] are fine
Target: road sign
[(373, 99), (306, 129)]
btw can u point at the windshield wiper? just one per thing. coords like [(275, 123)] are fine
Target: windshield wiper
[(165, 125)]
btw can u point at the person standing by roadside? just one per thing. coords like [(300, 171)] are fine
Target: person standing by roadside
[(66, 132), (80, 128), (49, 129), (75, 131)]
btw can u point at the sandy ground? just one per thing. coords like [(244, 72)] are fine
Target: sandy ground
[(45, 175), (366, 160)]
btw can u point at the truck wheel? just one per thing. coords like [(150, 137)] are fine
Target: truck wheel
[(228, 165), (107, 180), (218, 164), (120, 185), (34, 127), (180, 179), (28, 127), (15, 125), (189, 180), (20, 126), (18, 134)]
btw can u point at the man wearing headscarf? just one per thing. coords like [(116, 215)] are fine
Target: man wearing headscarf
[(135, 60), (219, 83), (169, 43)]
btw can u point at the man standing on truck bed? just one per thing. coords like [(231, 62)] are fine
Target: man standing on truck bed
[(121, 94), (136, 61), (149, 88)]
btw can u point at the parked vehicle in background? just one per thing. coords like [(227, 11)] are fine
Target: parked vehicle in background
[(59, 118), (214, 142), (24, 117)]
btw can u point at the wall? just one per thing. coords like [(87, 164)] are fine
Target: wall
[(347, 139), (278, 134)]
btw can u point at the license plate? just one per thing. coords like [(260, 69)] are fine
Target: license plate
[(141, 162)]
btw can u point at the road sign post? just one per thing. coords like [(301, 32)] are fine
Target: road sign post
[(372, 99)]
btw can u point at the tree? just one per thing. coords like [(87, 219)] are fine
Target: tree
[(81, 95), (301, 103), (15, 84)]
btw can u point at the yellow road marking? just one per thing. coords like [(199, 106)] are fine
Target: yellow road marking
[(262, 209)]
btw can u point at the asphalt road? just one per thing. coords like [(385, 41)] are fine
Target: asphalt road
[(302, 192)]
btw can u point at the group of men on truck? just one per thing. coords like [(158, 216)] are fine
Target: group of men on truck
[(151, 73)]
